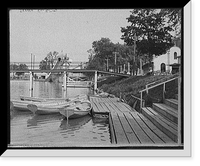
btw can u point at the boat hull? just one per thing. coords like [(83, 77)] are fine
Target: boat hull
[(38, 99), (76, 114), (21, 105), (47, 107), (76, 110)]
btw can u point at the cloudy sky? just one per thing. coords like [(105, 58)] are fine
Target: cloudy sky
[(71, 31)]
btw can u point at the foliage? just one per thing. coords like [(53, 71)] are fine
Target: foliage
[(132, 86), (149, 34), (44, 65), (152, 33), (48, 61), (103, 51), (173, 17), (20, 66)]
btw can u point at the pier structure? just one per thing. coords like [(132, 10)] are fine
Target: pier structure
[(128, 127)]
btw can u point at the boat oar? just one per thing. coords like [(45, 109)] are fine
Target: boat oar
[(32, 107)]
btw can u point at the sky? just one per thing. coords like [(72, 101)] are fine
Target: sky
[(39, 32)]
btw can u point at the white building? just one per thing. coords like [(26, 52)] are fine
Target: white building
[(162, 63)]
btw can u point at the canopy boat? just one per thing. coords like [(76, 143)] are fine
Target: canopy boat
[(76, 109)]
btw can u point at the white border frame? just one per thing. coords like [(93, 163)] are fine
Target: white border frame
[(185, 152)]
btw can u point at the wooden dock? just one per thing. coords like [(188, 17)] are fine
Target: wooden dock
[(128, 127)]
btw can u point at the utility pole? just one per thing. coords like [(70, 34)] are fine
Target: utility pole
[(115, 61), (31, 61), (134, 53), (107, 64)]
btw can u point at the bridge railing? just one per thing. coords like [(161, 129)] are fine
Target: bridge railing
[(36, 65)]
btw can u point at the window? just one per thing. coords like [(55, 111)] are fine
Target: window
[(175, 55)]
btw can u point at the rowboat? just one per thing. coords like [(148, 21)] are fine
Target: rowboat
[(39, 99), (44, 108), (53, 107), (76, 109), (20, 105)]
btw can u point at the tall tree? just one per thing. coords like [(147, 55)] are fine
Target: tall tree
[(173, 17), (152, 33), (103, 48)]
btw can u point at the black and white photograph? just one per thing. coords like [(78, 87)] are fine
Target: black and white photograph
[(99, 79)]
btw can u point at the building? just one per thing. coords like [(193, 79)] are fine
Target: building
[(165, 63)]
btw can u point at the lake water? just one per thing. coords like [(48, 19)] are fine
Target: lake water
[(27, 129)]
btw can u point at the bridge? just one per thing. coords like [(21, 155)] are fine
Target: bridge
[(70, 71), (65, 70)]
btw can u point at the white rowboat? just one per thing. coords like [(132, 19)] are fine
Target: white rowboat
[(53, 107), (76, 109)]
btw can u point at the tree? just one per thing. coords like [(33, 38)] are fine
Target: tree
[(152, 33), (173, 17), (51, 56), (19, 67), (43, 65), (101, 50), (102, 54), (49, 60), (14, 67)]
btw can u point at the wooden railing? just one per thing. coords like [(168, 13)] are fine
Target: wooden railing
[(138, 99), (154, 86)]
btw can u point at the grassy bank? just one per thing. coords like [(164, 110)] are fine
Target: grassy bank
[(132, 85)]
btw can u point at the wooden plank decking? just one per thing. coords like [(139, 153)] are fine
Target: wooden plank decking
[(128, 127)]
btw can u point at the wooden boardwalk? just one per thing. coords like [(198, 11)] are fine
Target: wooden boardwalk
[(128, 127)]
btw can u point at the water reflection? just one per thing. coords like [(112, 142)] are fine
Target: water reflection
[(74, 124), (52, 130), (37, 120), (44, 89), (102, 120)]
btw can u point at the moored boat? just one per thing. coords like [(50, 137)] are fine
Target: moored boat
[(76, 109), (53, 107), (44, 108), (20, 105), (39, 99)]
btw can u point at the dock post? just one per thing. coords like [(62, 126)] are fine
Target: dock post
[(65, 81), (31, 84), (95, 81)]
